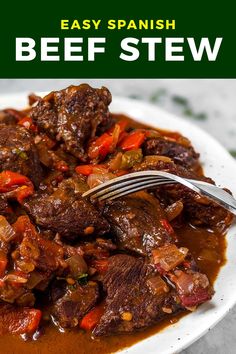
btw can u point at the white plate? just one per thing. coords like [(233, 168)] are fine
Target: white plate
[(219, 165)]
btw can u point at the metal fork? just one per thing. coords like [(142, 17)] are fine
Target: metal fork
[(134, 182)]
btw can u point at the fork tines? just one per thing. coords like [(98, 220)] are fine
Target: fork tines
[(136, 181), (127, 184)]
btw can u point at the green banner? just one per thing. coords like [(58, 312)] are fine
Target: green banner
[(171, 39)]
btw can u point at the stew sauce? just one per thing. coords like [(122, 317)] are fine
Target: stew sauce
[(198, 241)]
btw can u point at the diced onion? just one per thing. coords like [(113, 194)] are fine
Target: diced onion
[(15, 278), (6, 231), (26, 267), (97, 178), (157, 285), (152, 159), (77, 265), (34, 279), (115, 162), (173, 210), (169, 256)]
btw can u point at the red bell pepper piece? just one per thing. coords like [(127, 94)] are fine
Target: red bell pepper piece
[(34, 317), (28, 123), (106, 143), (2, 284), (10, 180), (122, 124), (121, 173), (165, 223), (122, 136), (19, 321), (101, 146), (85, 170), (92, 318), (187, 264), (132, 141), (24, 192)]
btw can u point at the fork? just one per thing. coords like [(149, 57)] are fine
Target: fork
[(134, 182)]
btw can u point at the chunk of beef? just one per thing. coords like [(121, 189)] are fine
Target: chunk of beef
[(66, 212), (153, 162), (18, 152), (73, 116), (11, 116), (136, 297), (33, 98), (180, 154), (137, 222), (199, 210), (7, 118), (77, 300)]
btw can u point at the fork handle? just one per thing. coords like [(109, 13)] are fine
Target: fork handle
[(216, 193)]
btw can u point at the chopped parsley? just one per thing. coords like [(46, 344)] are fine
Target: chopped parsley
[(233, 153), (156, 96), (180, 100), (190, 113), (21, 154), (187, 110), (83, 279)]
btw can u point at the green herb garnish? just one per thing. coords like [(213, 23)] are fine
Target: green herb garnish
[(21, 154), (180, 100), (83, 279), (233, 153), (187, 110), (201, 116), (156, 96)]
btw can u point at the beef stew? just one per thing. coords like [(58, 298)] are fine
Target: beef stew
[(106, 274)]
